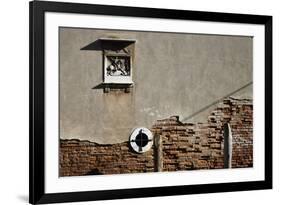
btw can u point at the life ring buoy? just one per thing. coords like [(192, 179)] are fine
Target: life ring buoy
[(141, 140)]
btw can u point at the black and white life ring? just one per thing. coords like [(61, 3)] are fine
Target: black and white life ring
[(141, 140)]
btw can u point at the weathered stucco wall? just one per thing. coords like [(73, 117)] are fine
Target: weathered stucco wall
[(173, 74), (185, 146)]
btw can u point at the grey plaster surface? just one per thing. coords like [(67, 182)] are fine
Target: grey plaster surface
[(173, 74)]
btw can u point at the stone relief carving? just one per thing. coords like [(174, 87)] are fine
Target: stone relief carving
[(118, 66)]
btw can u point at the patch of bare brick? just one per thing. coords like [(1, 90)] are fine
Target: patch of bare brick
[(186, 146)]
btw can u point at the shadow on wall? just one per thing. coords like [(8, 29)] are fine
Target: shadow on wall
[(94, 172), (217, 101), (94, 46), (98, 45)]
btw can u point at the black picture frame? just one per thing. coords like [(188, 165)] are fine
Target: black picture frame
[(37, 9)]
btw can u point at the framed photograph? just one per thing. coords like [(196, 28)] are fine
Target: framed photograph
[(140, 102)]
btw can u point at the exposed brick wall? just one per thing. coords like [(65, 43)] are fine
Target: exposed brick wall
[(200, 145), (86, 158), (241, 123), (185, 145)]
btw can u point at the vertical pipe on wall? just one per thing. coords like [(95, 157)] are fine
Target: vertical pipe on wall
[(227, 151), (159, 153)]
